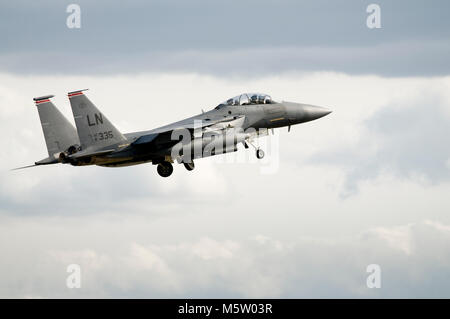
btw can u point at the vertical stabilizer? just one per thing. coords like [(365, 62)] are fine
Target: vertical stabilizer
[(94, 129), (59, 133)]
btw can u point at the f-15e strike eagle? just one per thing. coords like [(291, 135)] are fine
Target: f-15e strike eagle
[(96, 141)]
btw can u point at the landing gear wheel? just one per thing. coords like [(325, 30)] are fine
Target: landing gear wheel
[(259, 153), (164, 169), (63, 157), (189, 166)]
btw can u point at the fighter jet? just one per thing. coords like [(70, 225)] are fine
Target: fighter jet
[(96, 141)]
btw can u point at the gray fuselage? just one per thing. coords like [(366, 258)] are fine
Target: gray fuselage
[(256, 116)]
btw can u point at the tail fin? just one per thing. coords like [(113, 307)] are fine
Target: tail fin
[(59, 133), (94, 129)]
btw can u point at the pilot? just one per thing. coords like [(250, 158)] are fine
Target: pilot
[(261, 99)]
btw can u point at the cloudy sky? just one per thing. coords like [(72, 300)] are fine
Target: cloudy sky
[(367, 184)]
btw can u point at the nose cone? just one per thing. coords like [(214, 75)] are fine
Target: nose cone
[(311, 112), (300, 113)]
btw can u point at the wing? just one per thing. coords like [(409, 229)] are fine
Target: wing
[(89, 153), (164, 139)]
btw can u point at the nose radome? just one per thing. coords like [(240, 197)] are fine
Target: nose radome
[(312, 112)]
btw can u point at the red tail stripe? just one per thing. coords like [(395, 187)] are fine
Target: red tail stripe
[(42, 101), (75, 94)]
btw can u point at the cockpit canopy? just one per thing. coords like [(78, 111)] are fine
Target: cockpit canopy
[(247, 99)]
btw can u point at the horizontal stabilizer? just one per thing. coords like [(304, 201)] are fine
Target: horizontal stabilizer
[(45, 161), (19, 168)]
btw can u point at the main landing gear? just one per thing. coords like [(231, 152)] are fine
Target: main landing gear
[(165, 169)]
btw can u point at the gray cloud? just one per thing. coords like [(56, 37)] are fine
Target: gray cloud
[(409, 140), (137, 235), (258, 37), (414, 260), (392, 59), (199, 235)]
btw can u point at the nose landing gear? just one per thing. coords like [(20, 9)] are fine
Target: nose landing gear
[(259, 153), (189, 166)]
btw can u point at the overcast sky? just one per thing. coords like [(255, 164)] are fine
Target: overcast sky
[(250, 37), (367, 184)]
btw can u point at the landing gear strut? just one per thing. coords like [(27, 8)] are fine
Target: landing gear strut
[(164, 169)]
